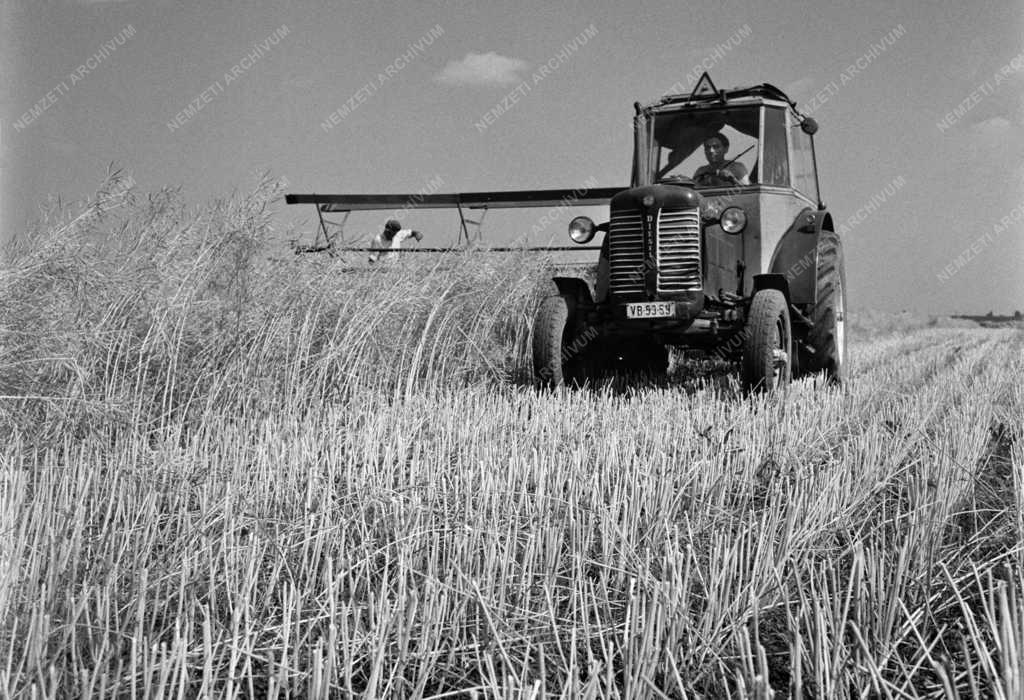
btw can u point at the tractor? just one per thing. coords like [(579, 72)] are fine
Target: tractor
[(721, 244)]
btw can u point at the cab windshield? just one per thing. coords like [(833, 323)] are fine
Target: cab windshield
[(705, 148)]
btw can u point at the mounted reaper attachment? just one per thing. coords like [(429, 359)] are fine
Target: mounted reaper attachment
[(721, 244)]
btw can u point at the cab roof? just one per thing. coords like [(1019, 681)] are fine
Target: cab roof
[(713, 96)]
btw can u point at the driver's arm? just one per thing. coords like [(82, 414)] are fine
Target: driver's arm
[(738, 173)]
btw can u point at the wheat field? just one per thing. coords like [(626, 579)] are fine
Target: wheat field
[(230, 476)]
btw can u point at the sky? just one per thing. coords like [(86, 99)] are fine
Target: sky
[(920, 106)]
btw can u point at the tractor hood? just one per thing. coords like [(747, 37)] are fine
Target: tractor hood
[(659, 196)]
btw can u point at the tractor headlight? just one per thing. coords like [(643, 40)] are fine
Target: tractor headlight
[(582, 229), (733, 220)]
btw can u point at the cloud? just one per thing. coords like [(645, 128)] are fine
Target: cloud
[(995, 125), (482, 69), (996, 139)]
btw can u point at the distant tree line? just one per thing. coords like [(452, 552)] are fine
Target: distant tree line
[(991, 317)]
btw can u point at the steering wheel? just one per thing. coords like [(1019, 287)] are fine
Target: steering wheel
[(681, 180), (710, 179)]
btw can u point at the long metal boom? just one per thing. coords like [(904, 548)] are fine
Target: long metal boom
[(508, 199)]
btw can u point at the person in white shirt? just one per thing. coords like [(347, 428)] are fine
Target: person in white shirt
[(391, 239)]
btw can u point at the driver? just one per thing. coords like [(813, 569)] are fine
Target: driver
[(718, 171)]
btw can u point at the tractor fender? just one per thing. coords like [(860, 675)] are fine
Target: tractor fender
[(581, 288), (796, 256), (771, 280)]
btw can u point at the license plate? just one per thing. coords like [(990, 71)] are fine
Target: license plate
[(651, 309)]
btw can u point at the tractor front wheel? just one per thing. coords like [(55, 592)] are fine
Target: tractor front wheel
[(563, 351), (767, 346)]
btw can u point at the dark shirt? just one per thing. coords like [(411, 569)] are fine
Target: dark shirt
[(711, 172)]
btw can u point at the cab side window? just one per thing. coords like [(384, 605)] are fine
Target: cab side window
[(804, 179), (775, 169)]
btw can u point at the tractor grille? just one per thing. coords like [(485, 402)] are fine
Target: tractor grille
[(677, 252), (626, 252), (678, 249)]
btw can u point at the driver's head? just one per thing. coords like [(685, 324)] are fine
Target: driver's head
[(715, 148)]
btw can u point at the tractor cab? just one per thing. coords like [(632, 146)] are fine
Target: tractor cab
[(745, 141)]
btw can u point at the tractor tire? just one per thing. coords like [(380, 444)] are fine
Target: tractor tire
[(767, 345), (549, 331), (563, 351), (827, 338)]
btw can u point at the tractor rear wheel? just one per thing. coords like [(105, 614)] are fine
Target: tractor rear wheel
[(767, 345), (827, 338)]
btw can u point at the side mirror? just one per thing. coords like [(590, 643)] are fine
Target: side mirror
[(809, 126)]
